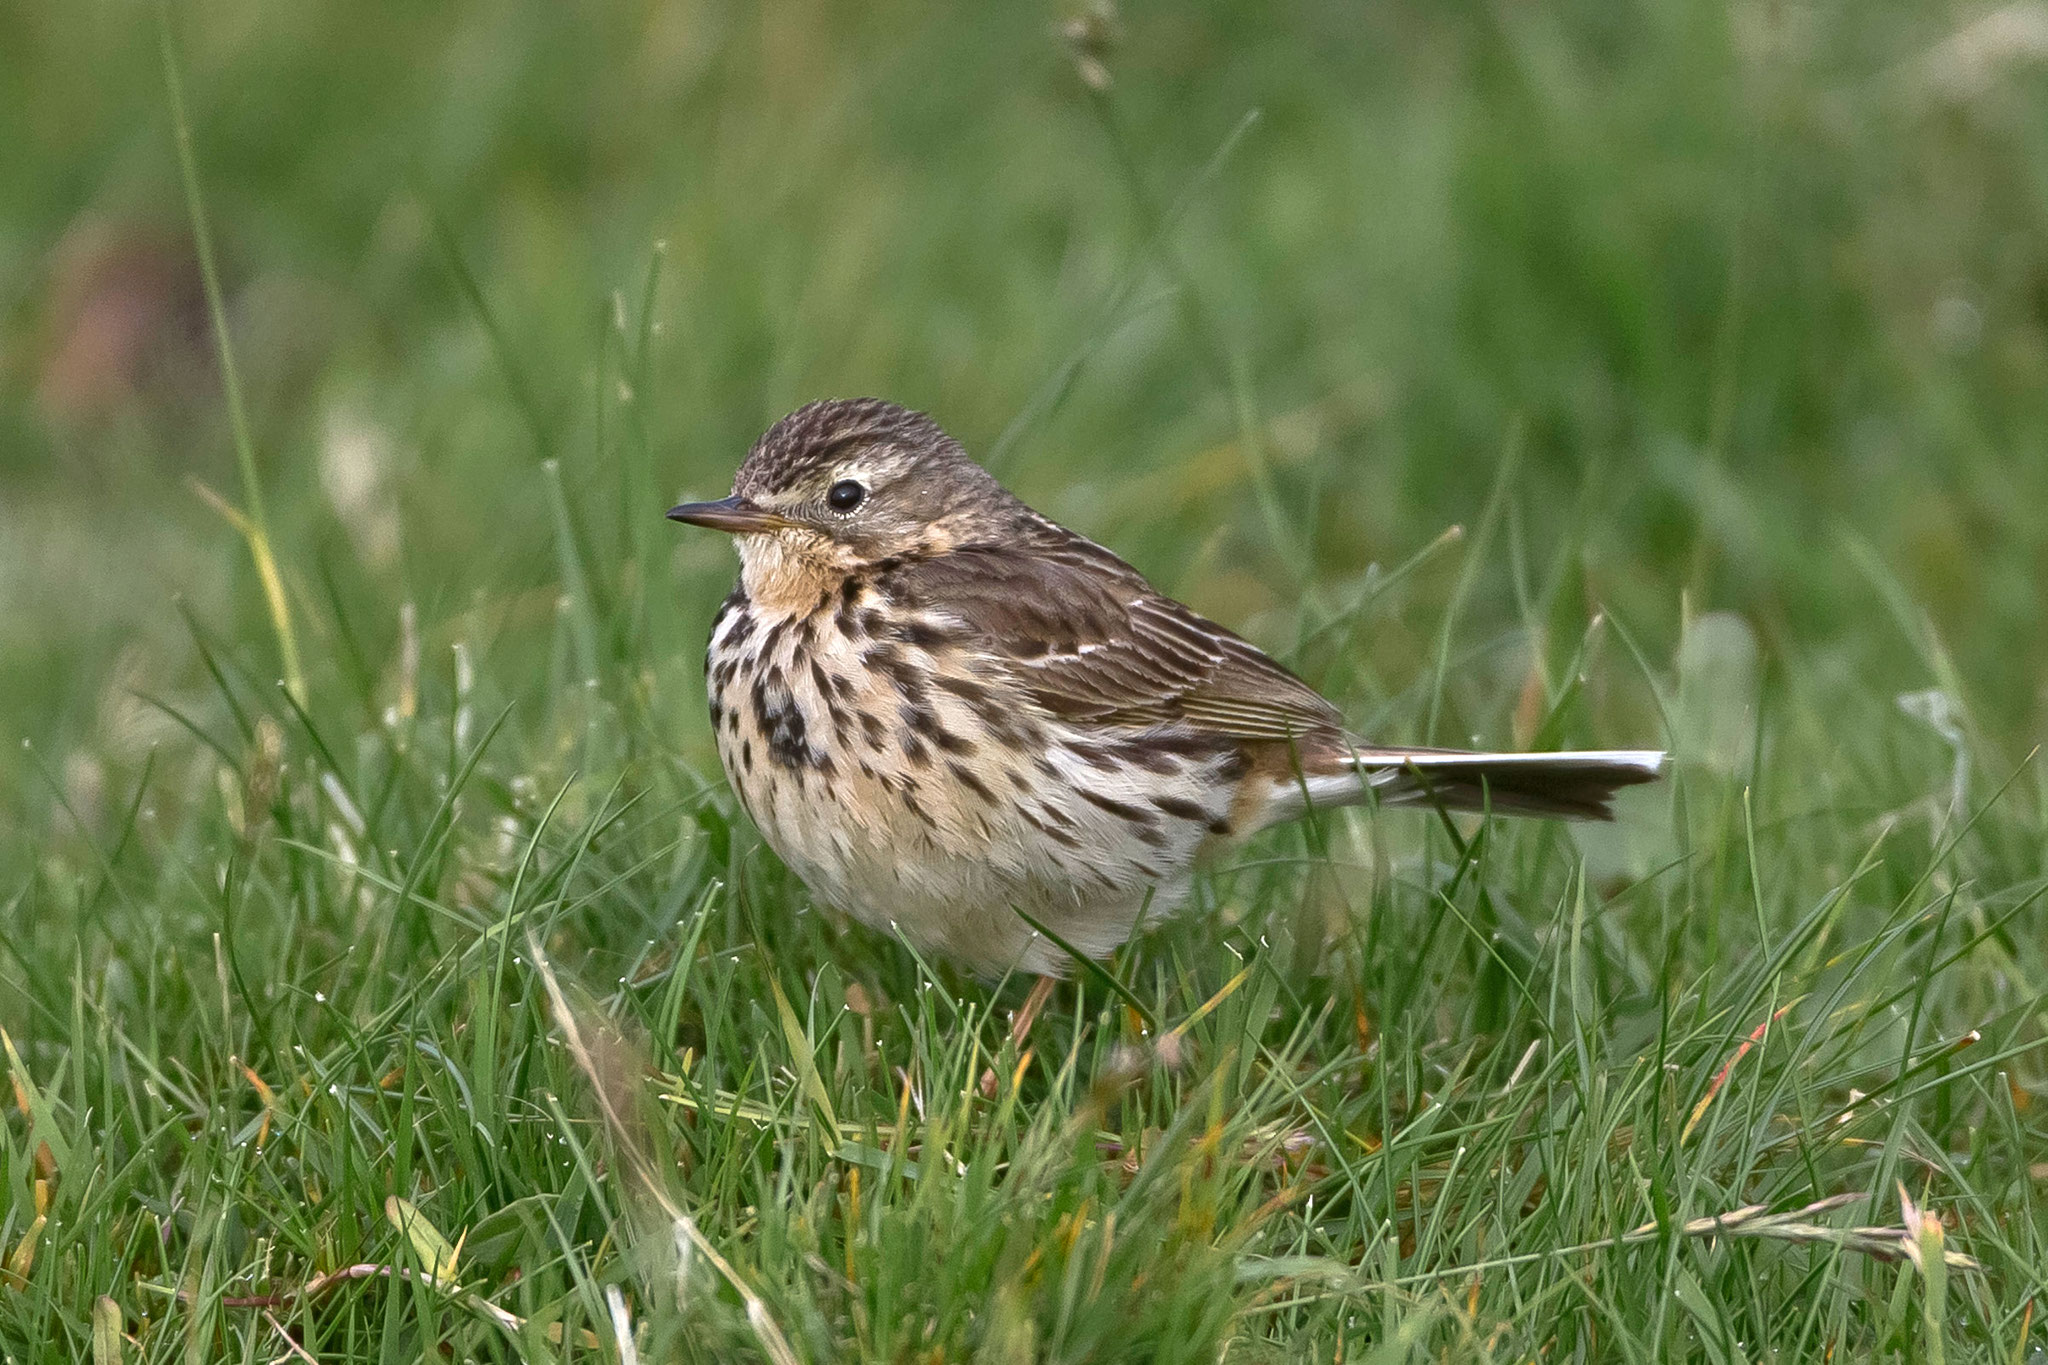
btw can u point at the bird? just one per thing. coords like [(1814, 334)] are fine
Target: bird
[(958, 721)]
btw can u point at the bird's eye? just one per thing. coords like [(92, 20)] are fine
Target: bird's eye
[(845, 495)]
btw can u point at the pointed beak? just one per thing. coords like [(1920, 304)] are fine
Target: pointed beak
[(734, 514)]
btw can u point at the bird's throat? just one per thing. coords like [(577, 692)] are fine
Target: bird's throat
[(786, 578)]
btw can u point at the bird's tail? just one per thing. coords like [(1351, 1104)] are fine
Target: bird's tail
[(1574, 785)]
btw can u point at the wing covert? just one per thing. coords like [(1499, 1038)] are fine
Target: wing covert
[(1086, 637)]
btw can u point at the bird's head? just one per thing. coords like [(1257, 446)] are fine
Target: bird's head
[(841, 484)]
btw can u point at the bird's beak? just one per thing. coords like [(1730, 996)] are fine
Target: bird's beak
[(734, 514)]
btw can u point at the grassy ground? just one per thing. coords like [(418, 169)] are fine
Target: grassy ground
[(442, 1007)]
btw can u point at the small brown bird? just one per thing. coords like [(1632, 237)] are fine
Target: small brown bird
[(942, 708)]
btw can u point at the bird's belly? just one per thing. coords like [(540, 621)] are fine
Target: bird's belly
[(942, 812), (954, 878)]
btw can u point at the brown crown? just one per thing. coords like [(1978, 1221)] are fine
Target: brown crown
[(820, 431)]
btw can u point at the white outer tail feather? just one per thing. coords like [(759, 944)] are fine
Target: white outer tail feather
[(1568, 783)]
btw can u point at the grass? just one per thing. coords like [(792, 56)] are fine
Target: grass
[(447, 1008)]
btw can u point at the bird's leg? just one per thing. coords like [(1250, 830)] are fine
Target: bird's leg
[(1023, 1019), (1020, 1026)]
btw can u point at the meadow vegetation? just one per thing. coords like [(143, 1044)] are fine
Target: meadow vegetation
[(387, 974)]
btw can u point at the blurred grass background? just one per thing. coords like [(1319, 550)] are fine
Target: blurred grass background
[(1753, 282), (1729, 322)]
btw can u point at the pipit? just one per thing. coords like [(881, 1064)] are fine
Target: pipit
[(942, 708)]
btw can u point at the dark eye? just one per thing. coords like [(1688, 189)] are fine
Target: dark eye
[(845, 495)]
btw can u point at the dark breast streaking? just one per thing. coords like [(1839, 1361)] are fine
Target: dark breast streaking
[(883, 758), (943, 708)]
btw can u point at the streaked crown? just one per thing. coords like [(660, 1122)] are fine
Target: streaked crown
[(819, 438), (850, 480)]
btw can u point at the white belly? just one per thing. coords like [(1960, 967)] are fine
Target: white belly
[(941, 813)]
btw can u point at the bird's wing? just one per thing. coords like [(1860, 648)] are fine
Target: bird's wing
[(1087, 638)]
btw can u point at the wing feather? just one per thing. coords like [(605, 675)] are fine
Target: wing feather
[(1086, 637)]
